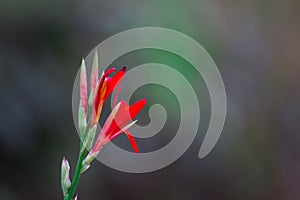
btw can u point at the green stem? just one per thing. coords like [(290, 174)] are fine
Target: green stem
[(77, 174), (81, 156)]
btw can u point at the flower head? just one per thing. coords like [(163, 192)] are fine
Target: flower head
[(90, 107), (119, 121), (103, 89)]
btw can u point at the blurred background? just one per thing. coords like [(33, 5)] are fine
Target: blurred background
[(256, 46)]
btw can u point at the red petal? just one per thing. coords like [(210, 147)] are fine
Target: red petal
[(136, 108), (125, 114), (116, 79), (121, 118), (99, 94), (132, 141), (105, 74), (109, 71)]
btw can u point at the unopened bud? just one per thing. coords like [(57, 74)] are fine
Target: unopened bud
[(81, 119), (83, 86), (65, 177), (91, 97)]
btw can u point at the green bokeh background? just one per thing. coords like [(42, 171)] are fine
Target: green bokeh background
[(256, 46)]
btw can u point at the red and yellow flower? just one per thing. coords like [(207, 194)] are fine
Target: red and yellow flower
[(118, 122), (104, 88), (121, 117)]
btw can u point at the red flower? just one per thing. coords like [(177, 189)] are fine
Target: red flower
[(104, 88), (117, 123)]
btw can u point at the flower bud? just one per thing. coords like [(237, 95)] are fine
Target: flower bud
[(94, 74), (83, 86), (91, 101), (65, 177), (81, 119)]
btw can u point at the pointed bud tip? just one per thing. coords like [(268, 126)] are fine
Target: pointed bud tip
[(144, 100), (111, 70), (65, 160)]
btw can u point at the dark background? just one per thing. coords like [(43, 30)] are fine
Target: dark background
[(256, 46)]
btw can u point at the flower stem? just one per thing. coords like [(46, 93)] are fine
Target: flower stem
[(77, 174)]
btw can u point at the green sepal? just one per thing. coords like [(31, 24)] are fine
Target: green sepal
[(89, 139), (81, 120)]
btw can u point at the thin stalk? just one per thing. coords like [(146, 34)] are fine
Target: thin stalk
[(77, 173), (81, 156)]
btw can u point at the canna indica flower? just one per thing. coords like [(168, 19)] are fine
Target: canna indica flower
[(104, 88), (90, 107), (119, 121), (65, 177)]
